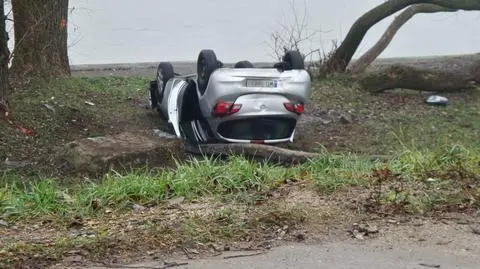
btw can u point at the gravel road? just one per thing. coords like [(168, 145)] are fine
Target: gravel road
[(418, 244)]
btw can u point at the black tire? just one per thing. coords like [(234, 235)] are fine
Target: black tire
[(243, 64), (196, 132), (293, 60), (206, 63), (164, 73)]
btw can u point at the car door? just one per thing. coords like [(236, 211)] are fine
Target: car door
[(173, 106)]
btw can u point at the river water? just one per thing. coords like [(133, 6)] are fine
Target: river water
[(121, 31)]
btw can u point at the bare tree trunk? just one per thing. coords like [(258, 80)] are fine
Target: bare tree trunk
[(407, 77), (4, 57), (342, 56), (366, 59), (40, 38)]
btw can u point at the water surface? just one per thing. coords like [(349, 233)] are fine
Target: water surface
[(120, 31)]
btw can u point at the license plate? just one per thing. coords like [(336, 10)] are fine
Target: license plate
[(262, 83)]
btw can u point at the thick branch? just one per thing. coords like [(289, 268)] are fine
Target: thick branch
[(344, 53), (366, 59), (407, 77), (275, 154)]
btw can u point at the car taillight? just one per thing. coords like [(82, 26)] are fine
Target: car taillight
[(294, 107), (223, 108)]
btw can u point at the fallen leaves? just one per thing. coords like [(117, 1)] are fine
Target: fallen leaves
[(25, 131)]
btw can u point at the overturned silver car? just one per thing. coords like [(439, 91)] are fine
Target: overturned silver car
[(240, 104)]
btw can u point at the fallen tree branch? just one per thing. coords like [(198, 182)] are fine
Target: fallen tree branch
[(165, 266), (407, 77), (271, 153), (367, 58), (244, 255)]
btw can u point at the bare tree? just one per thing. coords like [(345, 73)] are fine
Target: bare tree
[(293, 35), (342, 56), (40, 38), (367, 58), (4, 59)]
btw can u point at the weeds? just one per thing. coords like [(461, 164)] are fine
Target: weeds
[(419, 182)]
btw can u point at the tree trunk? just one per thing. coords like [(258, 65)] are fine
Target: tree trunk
[(40, 38), (407, 77), (342, 56), (366, 59), (4, 57)]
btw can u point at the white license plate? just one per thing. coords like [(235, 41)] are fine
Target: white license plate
[(262, 83)]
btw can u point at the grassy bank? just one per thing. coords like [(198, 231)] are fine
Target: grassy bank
[(433, 165), (427, 178)]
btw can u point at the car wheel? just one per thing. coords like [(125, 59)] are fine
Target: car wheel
[(293, 60), (191, 133), (243, 64), (164, 73), (196, 130), (207, 63)]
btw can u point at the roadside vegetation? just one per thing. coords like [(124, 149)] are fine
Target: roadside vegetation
[(396, 155), (383, 151)]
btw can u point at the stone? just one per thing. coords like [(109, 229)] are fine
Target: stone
[(138, 208), (3, 223), (175, 202), (125, 150), (345, 119)]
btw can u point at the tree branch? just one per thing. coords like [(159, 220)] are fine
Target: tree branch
[(344, 53), (366, 59), (407, 77)]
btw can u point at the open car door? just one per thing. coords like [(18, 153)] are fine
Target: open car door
[(173, 110)]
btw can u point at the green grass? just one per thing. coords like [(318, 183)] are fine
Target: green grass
[(333, 172), (193, 179)]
